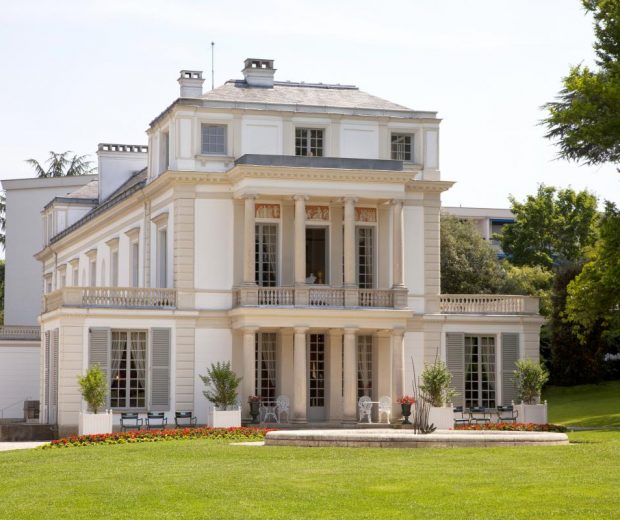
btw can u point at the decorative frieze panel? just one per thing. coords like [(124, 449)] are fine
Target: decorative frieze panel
[(317, 213), (267, 210), (365, 214)]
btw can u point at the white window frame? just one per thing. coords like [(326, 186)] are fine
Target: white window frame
[(162, 257), (412, 144), (205, 125), (266, 342), (480, 399), (307, 138), (134, 267), (146, 369), (373, 227), (92, 272)]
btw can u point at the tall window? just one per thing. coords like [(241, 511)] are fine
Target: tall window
[(114, 268), (128, 369), (480, 371), (316, 255), (309, 142), (364, 366), (162, 258), (265, 358), (75, 280), (316, 370), (93, 272), (214, 139), (365, 257), (164, 151), (135, 264), (402, 149), (266, 255)]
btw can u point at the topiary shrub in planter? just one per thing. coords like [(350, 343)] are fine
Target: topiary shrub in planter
[(222, 384), (436, 389), (94, 389), (530, 377)]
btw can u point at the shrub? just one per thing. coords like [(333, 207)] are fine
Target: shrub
[(132, 437), (222, 384), (436, 380), (94, 388), (530, 377), (513, 427)]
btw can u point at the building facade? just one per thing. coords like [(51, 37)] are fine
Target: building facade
[(289, 228)]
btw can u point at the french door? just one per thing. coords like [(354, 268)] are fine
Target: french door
[(480, 382), (316, 377)]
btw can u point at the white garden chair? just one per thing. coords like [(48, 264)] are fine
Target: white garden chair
[(365, 407), (385, 407), (282, 407)]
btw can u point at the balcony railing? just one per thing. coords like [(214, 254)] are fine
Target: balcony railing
[(111, 297), (487, 304), (20, 332), (319, 296)]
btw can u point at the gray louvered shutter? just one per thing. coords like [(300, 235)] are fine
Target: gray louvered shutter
[(510, 355), (160, 370), (455, 359), (53, 406), (99, 344), (46, 376)]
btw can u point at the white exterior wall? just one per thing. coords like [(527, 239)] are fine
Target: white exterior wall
[(19, 376)]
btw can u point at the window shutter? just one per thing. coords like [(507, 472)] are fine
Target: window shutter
[(160, 369), (46, 375), (510, 355), (53, 375), (99, 343), (455, 359)]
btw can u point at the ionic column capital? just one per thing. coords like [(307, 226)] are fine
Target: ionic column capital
[(350, 331), (250, 330), (349, 200), (300, 330), (300, 196), (249, 196)]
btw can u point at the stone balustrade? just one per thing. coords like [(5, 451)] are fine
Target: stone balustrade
[(20, 332), (487, 304), (111, 297)]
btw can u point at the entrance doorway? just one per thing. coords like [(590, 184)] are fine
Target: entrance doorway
[(316, 377), (316, 255)]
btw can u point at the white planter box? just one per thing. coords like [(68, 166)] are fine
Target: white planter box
[(224, 418), (532, 413), (93, 423), (442, 418)]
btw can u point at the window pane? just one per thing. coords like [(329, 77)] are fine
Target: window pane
[(364, 366), (309, 142), (266, 254), (365, 257), (214, 139), (128, 369), (401, 147), (265, 359)]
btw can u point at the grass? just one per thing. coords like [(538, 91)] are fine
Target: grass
[(212, 479), (585, 405)]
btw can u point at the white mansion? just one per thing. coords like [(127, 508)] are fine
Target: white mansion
[(291, 228)]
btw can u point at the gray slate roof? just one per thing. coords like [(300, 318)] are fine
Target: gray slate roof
[(288, 93)]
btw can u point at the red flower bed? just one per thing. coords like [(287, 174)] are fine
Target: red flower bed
[(512, 427), (135, 436)]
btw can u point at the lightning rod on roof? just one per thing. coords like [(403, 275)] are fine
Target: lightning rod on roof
[(212, 66)]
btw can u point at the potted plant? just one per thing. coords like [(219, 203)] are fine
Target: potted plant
[(222, 384), (94, 388), (436, 389), (254, 402), (530, 377), (406, 402)]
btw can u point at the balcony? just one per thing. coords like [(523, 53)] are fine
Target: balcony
[(111, 297), (20, 333), (487, 304), (320, 297)]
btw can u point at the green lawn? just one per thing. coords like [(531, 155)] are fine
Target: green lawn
[(585, 405), (202, 478)]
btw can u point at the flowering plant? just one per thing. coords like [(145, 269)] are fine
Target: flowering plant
[(513, 427), (254, 399), (406, 399)]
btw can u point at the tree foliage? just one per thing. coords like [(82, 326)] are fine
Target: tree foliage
[(222, 384), (531, 281), (594, 295), (94, 387), (584, 120), (551, 228), (530, 377), (62, 165), (468, 263)]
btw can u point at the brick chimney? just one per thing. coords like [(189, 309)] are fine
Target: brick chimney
[(191, 83), (258, 72)]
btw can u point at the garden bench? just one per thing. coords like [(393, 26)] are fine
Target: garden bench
[(479, 414), (507, 413), (156, 420), (130, 421), (462, 419), (184, 420)]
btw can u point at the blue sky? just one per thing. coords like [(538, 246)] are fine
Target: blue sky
[(76, 73)]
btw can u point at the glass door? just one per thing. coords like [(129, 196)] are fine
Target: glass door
[(316, 377)]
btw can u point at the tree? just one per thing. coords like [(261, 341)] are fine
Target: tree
[(222, 384), (530, 377), (468, 263), (532, 281), (584, 121), (94, 387), (594, 295), (61, 165), (551, 228)]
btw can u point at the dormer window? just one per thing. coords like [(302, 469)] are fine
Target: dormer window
[(309, 142), (402, 147), (213, 139)]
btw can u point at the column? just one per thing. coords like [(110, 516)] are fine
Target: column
[(398, 370), (300, 239), (350, 377), (249, 241), (335, 375), (285, 364), (384, 364), (300, 391), (397, 244), (249, 368), (349, 242)]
